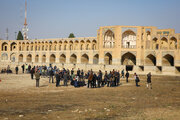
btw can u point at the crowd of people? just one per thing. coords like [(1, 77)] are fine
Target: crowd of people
[(6, 70), (90, 78)]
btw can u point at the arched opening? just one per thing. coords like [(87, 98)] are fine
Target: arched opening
[(73, 59), (59, 47), (4, 46), (148, 40), (23, 46), (36, 48), (44, 59), (108, 59), (155, 44), (19, 48), (164, 43), (4, 56), (82, 45), (42, 47), (84, 59), (88, 45), (108, 39), (36, 58), (20, 58), (96, 59), (29, 58), (150, 60), (50, 46), (76, 45), (13, 57), (27, 46), (128, 59), (62, 58), (168, 60), (55, 46), (70, 45), (13, 46), (52, 58), (39, 47), (173, 43), (129, 39), (64, 47)]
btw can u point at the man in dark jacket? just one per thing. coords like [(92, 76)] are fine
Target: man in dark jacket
[(51, 75), (127, 76), (72, 71), (22, 68), (17, 69), (57, 78), (99, 78), (82, 75), (32, 73), (105, 78), (78, 72), (94, 80), (149, 84)]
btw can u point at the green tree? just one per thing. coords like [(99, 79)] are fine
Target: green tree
[(71, 35), (20, 36)]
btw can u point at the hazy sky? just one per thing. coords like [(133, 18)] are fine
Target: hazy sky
[(58, 18)]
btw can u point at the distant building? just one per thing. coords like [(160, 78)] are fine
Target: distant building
[(134, 48)]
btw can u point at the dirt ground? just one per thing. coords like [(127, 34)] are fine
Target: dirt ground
[(21, 100)]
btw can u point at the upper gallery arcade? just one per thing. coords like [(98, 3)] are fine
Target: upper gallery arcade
[(138, 46)]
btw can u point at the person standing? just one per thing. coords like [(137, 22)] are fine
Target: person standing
[(22, 68), (94, 80), (32, 73), (105, 78), (99, 78), (17, 69), (26, 68), (82, 75), (149, 84), (51, 74), (127, 76), (78, 72), (29, 68), (90, 77), (122, 73), (37, 75), (57, 78), (136, 79), (72, 71), (65, 76), (118, 78)]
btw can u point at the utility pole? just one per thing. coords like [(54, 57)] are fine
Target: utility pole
[(25, 29), (7, 34)]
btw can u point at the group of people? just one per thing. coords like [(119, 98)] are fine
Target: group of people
[(78, 79), (94, 80), (6, 70)]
